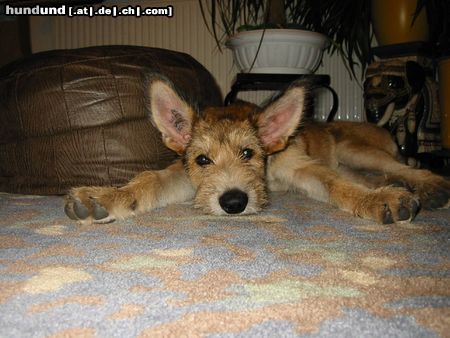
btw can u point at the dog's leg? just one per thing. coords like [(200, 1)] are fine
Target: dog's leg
[(148, 190), (369, 179), (384, 205), (432, 190)]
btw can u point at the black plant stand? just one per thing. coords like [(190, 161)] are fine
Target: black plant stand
[(254, 81)]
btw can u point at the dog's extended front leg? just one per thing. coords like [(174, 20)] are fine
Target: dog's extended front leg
[(148, 190), (384, 205)]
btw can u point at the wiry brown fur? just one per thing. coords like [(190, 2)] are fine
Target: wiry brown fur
[(222, 134), (323, 160)]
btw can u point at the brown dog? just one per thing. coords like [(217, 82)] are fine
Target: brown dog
[(231, 155)]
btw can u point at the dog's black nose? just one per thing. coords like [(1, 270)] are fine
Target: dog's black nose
[(233, 201)]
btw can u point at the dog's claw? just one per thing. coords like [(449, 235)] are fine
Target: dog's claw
[(387, 215), (414, 208)]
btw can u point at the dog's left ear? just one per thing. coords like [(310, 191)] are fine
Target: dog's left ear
[(280, 119), (171, 115)]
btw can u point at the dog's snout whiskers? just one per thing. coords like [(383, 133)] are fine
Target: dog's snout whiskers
[(233, 201)]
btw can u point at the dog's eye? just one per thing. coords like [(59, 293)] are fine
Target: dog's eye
[(247, 153), (202, 160)]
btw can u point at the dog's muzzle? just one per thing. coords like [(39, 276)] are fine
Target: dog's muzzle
[(233, 201)]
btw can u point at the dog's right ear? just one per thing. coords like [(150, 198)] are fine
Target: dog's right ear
[(281, 119), (171, 115)]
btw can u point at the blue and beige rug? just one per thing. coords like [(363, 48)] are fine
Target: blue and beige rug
[(299, 269)]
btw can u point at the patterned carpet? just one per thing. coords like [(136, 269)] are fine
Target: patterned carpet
[(299, 269)]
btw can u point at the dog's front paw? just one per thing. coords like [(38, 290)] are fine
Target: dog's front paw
[(98, 204), (388, 205)]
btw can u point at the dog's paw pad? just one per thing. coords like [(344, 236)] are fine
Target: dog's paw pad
[(68, 209), (403, 213), (99, 212), (81, 211), (437, 198), (75, 210), (407, 210)]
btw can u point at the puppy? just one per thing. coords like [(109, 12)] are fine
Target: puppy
[(231, 156)]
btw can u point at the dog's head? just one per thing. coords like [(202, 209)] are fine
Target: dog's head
[(389, 85), (225, 148)]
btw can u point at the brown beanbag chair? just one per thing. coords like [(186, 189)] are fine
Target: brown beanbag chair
[(78, 117)]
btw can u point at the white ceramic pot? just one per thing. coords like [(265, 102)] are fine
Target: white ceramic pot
[(282, 51)]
